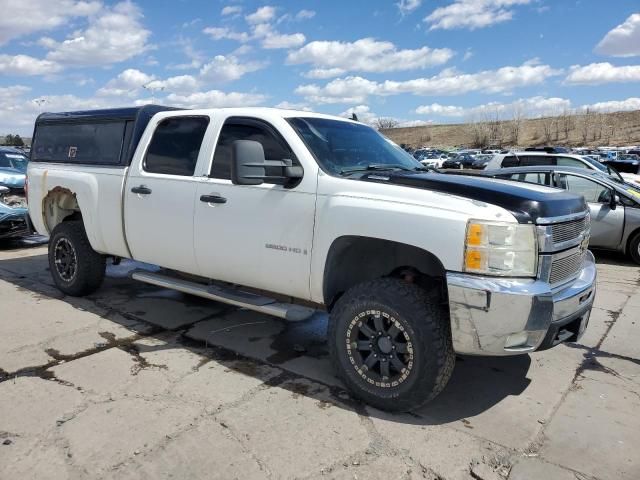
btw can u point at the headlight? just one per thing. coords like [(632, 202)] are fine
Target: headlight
[(499, 248)]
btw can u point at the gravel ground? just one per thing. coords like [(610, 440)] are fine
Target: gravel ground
[(140, 382)]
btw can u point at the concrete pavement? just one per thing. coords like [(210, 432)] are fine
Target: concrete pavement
[(139, 382)]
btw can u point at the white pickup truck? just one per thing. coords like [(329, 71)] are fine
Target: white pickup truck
[(287, 212)]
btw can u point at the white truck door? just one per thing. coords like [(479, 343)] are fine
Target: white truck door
[(160, 194), (259, 236)]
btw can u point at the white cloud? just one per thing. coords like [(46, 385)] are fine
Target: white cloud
[(220, 33), (440, 110), (447, 82), (472, 14), (529, 107), (227, 68), (262, 15), (231, 10), (114, 35), (181, 84), (26, 65), (622, 41), (332, 58), (321, 73), (305, 14), (18, 111), (363, 112), (342, 90), (600, 73), (24, 17), (632, 103), (126, 84), (293, 106), (261, 29), (272, 39), (215, 99), (408, 6), (414, 123)]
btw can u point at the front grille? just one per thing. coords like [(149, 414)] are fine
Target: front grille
[(567, 231), (564, 269)]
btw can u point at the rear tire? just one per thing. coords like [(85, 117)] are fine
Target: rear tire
[(76, 268), (391, 344), (634, 248)]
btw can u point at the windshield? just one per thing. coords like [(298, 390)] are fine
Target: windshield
[(13, 160), (612, 172), (344, 147)]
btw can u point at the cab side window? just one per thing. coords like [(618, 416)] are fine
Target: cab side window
[(175, 146), (541, 178), (570, 162), (592, 192), (275, 148), (535, 160)]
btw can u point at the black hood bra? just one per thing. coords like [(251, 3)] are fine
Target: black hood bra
[(525, 203)]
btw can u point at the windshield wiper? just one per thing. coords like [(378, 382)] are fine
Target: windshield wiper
[(375, 166)]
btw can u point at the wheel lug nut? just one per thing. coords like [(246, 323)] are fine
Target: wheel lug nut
[(393, 347)]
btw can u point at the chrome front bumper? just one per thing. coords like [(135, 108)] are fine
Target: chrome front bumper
[(501, 316)]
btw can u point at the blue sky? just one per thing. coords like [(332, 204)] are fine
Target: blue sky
[(417, 61)]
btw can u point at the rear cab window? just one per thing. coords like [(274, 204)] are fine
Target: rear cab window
[(175, 145)]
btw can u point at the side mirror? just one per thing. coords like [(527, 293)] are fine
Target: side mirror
[(247, 163), (614, 201)]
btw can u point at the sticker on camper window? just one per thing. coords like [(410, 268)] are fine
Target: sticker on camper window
[(72, 152)]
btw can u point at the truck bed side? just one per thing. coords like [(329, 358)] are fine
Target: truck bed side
[(97, 192)]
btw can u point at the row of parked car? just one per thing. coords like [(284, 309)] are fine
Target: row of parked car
[(14, 218), (613, 197), (627, 161)]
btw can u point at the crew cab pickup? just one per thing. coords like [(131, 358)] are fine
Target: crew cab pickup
[(287, 212)]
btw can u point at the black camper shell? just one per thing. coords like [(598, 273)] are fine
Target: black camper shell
[(93, 137)]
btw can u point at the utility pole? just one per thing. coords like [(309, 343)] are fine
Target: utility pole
[(153, 89), (40, 102)]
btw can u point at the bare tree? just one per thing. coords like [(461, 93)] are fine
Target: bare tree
[(385, 123), (585, 122), (493, 125), (515, 124), (567, 122), (479, 133), (548, 127)]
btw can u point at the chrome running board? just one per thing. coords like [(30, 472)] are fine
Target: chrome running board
[(239, 298)]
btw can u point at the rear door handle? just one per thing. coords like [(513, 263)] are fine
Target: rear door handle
[(141, 190), (212, 199)]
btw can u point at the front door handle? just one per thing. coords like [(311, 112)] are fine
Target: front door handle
[(141, 190), (212, 199)]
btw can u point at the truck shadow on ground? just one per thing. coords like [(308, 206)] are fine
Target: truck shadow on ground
[(246, 341)]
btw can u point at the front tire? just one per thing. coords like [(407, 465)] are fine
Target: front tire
[(391, 344), (76, 268), (634, 248)]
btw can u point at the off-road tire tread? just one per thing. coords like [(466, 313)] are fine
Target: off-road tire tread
[(433, 332), (91, 264)]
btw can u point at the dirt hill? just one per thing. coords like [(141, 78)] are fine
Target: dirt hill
[(587, 129)]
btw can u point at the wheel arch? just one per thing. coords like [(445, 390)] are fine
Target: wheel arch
[(59, 205), (354, 259)]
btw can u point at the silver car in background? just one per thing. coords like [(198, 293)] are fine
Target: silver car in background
[(614, 204)]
